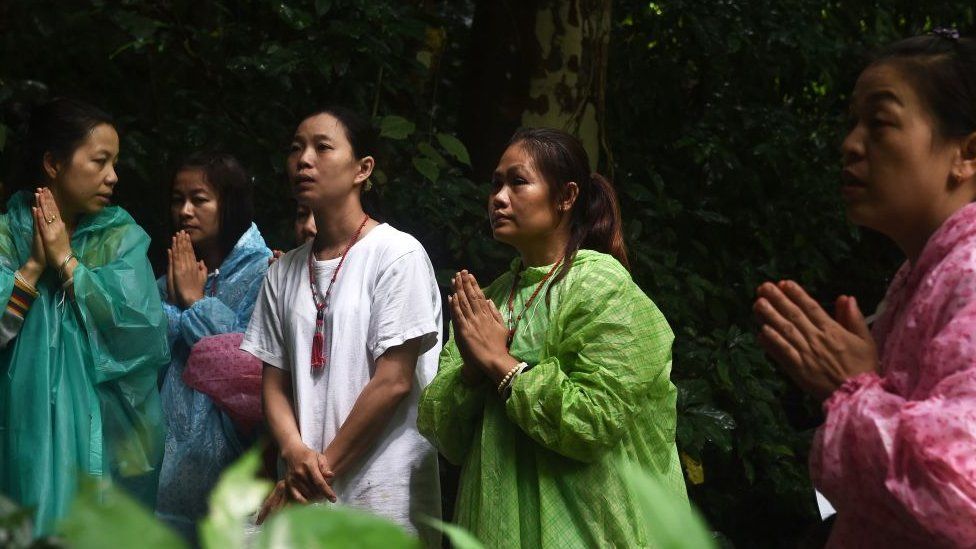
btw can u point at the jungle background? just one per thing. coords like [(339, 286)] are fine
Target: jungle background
[(718, 120)]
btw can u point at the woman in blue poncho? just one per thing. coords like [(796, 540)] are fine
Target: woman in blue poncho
[(217, 262), (83, 335)]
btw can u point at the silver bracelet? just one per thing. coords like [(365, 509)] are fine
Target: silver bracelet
[(64, 263)]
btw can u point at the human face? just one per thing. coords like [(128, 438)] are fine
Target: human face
[(195, 208), (897, 169), (321, 164), (304, 225), (520, 206), (84, 184)]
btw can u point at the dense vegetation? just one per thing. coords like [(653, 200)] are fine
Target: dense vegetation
[(720, 127)]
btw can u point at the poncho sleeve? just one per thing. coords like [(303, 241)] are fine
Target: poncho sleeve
[(211, 316), (912, 462), (450, 411), (120, 310), (613, 355)]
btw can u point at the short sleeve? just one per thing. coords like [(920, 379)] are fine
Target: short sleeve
[(264, 336), (405, 305)]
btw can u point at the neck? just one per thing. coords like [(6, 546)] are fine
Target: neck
[(913, 238), (335, 225), (545, 251), (211, 257), (69, 216)]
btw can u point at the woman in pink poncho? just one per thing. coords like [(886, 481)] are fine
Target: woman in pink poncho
[(897, 453)]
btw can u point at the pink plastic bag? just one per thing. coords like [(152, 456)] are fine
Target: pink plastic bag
[(231, 377)]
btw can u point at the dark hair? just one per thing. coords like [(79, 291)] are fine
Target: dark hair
[(595, 215), (58, 127), (942, 70), (362, 136), (235, 194)]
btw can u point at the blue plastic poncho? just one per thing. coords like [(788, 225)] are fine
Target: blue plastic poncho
[(78, 383), (201, 440)]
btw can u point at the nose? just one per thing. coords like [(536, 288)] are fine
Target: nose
[(112, 178), (852, 148), (186, 210), (498, 200), (305, 158)]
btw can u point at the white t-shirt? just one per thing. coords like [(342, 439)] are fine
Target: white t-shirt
[(385, 294)]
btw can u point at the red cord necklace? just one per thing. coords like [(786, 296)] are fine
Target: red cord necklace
[(319, 359), (513, 324)]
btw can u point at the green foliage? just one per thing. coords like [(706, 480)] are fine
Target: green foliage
[(729, 177), (103, 516), (724, 117), (233, 501), (667, 526)]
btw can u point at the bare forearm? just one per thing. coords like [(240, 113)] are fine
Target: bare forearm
[(279, 408), (369, 416)]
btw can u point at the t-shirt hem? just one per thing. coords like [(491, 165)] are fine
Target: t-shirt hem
[(265, 356)]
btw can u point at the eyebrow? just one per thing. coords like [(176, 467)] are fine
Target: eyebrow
[(883, 96)]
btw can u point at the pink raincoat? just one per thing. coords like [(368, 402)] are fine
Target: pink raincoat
[(897, 454)]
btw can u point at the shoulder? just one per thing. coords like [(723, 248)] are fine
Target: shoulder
[(290, 264), (390, 245), (599, 274)]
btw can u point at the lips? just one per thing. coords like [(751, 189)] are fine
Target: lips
[(848, 179), (303, 178), (498, 218)]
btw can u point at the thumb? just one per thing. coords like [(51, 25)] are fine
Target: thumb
[(849, 316)]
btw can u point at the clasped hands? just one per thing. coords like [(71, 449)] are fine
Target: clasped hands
[(479, 332), (186, 277), (818, 352), (307, 478), (51, 243)]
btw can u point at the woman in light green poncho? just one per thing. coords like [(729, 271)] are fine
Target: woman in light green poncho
[(82, 333), (561, 373)]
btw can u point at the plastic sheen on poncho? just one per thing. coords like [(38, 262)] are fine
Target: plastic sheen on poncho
[(78, 383), (540, 469), (200, 439), (896, 455)]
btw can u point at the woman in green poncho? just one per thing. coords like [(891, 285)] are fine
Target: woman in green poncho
[(561, 373), (83, 333)]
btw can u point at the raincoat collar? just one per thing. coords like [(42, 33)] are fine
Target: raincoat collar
[(250, 243)]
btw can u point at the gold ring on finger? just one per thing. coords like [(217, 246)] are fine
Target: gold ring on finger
[(51, 220)]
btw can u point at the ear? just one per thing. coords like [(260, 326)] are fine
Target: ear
[(570, 194), (51, 165), (964, 168), (366, 165)]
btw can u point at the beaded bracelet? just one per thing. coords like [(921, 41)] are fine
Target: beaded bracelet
[(506, 382)]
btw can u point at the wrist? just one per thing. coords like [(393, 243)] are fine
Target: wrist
[(500, 366), (32, 270), (293, 449)]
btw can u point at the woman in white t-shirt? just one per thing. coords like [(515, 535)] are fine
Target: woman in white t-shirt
[(348, 326)]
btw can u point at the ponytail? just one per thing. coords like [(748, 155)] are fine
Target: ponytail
[(595, 222)]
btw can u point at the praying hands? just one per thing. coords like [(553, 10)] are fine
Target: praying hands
[(818, 352), (480, 332), (186, 277)]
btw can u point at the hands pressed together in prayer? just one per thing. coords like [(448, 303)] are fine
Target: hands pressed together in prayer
[(479, 331), (817, 351), (186, 277), (51, 244), (307, 479)]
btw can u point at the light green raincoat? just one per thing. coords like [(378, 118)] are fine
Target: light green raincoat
[(540, 469), (78, 384)]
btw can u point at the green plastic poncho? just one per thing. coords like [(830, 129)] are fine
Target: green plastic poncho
[(541, 468), (78, 384)]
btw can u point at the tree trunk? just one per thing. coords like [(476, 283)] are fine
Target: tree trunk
[(535, 63), (567, 89)]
